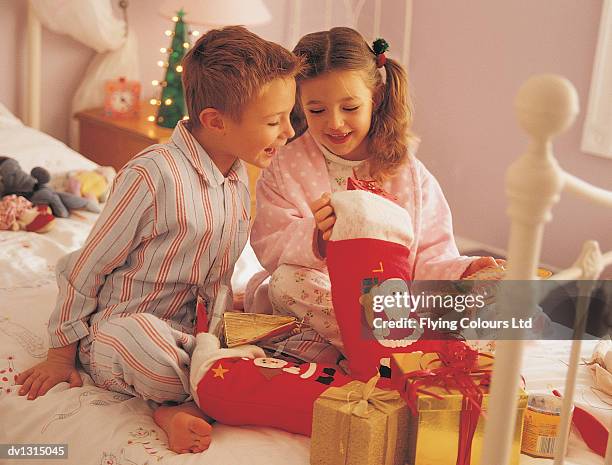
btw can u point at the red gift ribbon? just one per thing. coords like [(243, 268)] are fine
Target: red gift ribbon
[(457, 371), (369, 185)]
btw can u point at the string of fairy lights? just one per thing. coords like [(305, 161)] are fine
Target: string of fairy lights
[(164, 64)]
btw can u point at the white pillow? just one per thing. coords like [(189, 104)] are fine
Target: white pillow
[(7, 119), (35, 148)]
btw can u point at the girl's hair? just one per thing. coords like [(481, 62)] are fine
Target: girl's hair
[(343, 48)]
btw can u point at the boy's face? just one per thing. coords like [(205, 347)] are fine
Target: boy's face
[(338, 109), (264, 125)]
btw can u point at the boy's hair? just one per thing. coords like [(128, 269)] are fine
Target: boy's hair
[(343, 48), (227, 67)]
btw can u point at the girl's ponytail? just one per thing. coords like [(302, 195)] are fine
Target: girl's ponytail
[(390, 135)]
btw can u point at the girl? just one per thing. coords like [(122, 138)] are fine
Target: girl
[(349, 122)]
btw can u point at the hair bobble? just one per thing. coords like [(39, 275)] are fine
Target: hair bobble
[(379, 47)]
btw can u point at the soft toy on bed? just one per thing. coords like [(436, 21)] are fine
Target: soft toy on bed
[(18, 213), (90, 184), (13, 180)]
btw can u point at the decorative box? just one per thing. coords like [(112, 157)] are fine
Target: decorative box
[(359, 424), (435, 417)]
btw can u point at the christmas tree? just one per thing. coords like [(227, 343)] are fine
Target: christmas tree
[(172, 103)]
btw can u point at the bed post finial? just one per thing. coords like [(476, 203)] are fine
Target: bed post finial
[(545, 105)]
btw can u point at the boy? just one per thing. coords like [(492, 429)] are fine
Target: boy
[(174, 225)]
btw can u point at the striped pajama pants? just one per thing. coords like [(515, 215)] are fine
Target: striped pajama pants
[(306, 294), (139, 355)]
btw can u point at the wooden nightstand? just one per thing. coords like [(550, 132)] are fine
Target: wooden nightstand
[(112, 141)]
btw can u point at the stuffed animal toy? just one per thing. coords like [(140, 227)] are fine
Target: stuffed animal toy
[(13, 180), (18, 213), (90, 184), (60, 202), (37, 219)]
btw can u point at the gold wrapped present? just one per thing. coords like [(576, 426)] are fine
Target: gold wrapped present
[(359, 424), (439, 418), (247, 328)]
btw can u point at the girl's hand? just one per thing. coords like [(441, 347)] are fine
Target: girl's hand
[(479, 264), (324, 215)]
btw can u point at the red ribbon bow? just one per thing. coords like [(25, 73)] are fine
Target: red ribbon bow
[(356, 184)]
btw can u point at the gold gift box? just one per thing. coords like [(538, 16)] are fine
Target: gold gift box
[(433, 433), (352, 426)]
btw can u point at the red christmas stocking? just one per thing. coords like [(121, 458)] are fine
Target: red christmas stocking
[(367, 260), (241, 386)]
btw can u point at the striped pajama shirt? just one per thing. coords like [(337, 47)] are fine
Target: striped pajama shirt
[(172, 227)]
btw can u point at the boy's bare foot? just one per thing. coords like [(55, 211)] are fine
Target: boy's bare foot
[(186, 426)]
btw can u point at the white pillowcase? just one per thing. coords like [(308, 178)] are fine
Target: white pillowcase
[(7, 119), (35, 148)]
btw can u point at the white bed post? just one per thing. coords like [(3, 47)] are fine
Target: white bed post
[(32, 116), (590, 263), (545, 106)]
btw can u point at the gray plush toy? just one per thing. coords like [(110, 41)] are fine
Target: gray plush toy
[(13, 180)]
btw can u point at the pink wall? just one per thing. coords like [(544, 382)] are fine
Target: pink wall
[(467, 61)]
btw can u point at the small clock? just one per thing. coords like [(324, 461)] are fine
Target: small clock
[(121, 98)]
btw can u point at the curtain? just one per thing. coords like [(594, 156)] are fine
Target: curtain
[(92, 23), (597, 132), (369, 17)]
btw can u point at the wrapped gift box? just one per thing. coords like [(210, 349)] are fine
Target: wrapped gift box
[(358, 424), (435, 417)]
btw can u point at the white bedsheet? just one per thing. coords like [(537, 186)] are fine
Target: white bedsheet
[(28, 259), (102, 427)]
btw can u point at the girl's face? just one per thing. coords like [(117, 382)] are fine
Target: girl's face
[(338, 109)]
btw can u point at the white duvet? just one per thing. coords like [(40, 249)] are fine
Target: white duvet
[(102, 427)]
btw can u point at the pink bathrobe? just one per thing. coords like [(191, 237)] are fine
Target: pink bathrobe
[(284, 227)]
